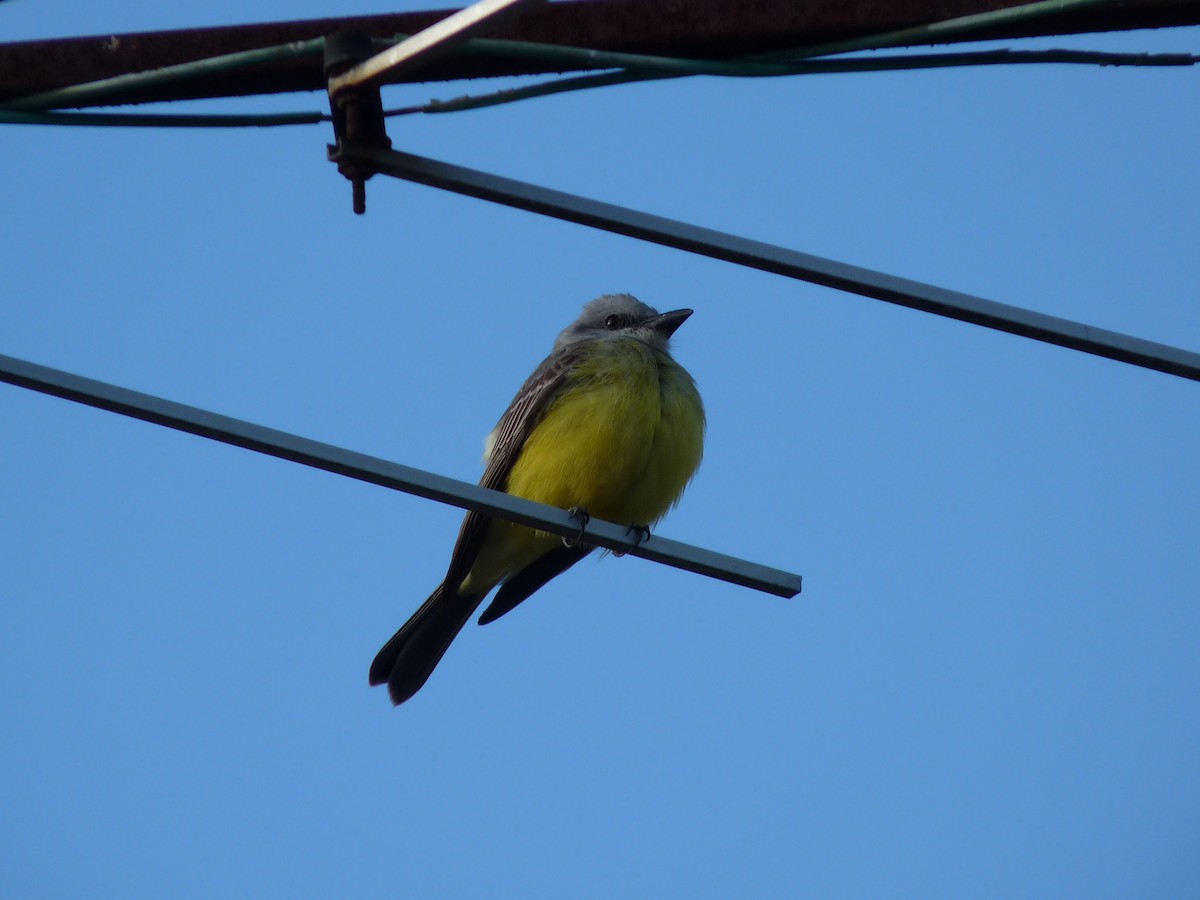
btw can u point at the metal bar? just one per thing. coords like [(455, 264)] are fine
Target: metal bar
[(163, 120), (965, 27), (114, 90), (781, 261), (427, 45), (14, 115), (887, 63), (392, 475), (701, 29), (801, 64)]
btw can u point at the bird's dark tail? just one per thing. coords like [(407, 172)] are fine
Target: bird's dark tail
[(409, 658)]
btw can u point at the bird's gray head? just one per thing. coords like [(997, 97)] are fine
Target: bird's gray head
[(622, 315)]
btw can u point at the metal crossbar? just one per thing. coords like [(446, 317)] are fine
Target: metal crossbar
[(619, 538)]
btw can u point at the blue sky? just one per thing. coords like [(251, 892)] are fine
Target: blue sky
[(988, 687)]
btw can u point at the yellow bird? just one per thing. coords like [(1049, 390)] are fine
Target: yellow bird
[(608, 425)]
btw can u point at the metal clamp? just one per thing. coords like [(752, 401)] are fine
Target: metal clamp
[(357, 110)]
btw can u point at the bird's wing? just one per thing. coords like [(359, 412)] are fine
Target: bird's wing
[(515, 426), (531, 578)]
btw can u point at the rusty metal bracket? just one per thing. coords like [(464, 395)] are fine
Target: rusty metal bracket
[(357, 110)]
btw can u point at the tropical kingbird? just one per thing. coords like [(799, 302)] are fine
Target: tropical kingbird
[(609, 425)]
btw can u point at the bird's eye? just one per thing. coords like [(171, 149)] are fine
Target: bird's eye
[(613, 322)]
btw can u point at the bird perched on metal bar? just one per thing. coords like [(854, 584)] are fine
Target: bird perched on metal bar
[(609, 425)]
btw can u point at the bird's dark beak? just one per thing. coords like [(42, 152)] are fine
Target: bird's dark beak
[(666, 323)]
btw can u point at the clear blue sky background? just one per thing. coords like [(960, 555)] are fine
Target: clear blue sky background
[(988, 687)]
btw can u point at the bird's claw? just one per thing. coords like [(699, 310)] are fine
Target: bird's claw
[(643, 535), (580, 515)]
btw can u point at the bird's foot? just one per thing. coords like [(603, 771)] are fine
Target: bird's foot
[(642, 534), (580, 515)]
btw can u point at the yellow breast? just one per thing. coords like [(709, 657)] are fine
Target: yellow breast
[(622, 439)]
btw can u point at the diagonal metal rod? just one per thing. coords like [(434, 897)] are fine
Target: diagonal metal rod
[(781, 261), (428, 44), (392, 475)]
